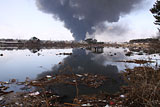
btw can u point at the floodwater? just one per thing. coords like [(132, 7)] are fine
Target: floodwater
[(19, 64)]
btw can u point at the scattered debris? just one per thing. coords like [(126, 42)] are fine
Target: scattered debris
[(38, 54), (49, 76), (137, 61), (64, 54), (129, 53), (140, 53), (86, 105), (1, 98), (90, 80), (12, 80), (34, 93), (122, 96)]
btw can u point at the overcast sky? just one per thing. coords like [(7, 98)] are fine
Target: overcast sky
[(21, 19)]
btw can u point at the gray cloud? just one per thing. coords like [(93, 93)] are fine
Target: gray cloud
[(82, 16)]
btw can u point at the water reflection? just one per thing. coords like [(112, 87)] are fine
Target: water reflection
[(82, 62), (20, 64), (34, 50), (97, 50)]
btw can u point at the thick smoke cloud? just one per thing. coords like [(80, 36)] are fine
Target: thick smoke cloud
[(83, 16)]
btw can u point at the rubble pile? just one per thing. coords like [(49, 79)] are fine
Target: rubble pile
[(36, 99), (89, 80), (42, 97), (100, 100), (142, 89)]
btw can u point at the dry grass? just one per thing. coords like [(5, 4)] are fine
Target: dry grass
[(143, 87)]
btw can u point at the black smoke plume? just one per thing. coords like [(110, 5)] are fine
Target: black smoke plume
[(82, 16)]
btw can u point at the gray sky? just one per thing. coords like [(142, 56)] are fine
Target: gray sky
[(21, 19)]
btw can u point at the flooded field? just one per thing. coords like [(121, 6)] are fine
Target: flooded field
[(69, 73), (20, 64)]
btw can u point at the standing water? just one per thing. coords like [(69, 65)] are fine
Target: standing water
[(36, 64)]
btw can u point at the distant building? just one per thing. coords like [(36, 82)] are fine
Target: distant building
[(83, 42), (91, 41), (34, 40)]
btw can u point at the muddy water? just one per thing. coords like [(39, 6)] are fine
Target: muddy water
[(19, 64)]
